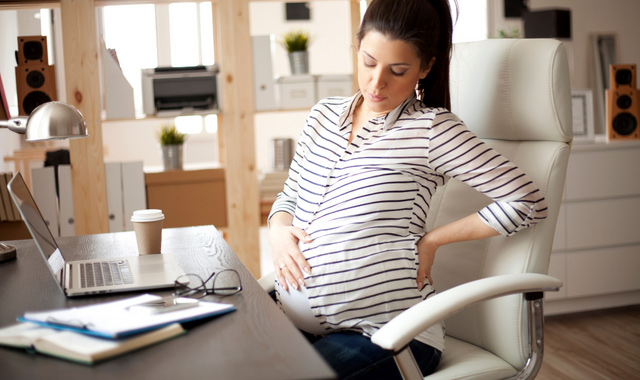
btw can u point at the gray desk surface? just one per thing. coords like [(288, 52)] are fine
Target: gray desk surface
[(255, 342)]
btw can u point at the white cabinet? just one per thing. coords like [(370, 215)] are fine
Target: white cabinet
[(596, 251)]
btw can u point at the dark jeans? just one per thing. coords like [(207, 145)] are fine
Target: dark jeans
[(353, 356)]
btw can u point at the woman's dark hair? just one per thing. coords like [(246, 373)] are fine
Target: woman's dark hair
[(428, 27)]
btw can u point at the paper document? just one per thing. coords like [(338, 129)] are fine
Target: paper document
[(119, 318)]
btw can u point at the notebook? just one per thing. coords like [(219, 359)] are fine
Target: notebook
[(95, 276)]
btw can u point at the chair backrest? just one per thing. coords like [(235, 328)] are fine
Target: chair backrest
[(516, 96)]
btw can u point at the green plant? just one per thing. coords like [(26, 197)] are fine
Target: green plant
[(169, 135), (296, 40), (513, 33)]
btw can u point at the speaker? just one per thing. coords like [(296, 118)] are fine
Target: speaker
[(35, 78), (36, 85), (32, 50), (622, 103)]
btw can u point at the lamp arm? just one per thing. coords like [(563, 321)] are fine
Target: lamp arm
[(16, 124)]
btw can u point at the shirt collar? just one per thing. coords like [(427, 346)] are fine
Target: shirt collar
[(347, 114), (392, 117), (389, 119)]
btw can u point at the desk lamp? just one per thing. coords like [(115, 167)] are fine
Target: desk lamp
[(49, 121)]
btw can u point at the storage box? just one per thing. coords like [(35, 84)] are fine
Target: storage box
[(334, 85), (297, 91)]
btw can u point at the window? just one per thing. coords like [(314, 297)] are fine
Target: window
[(471, 23), (136, 35)]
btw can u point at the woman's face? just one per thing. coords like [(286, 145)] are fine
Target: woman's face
[(388, 71)]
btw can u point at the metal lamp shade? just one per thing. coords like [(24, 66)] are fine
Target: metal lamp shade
[(55, 120)]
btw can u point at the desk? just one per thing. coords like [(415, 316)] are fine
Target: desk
[(255, 341)]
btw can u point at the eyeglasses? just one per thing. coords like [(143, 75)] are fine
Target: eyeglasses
[(223, 283)]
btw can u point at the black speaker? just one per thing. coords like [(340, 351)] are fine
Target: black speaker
[(35, 78), (622, 103)]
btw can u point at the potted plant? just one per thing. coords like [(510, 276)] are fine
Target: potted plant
[(171, 142), (297, 42)]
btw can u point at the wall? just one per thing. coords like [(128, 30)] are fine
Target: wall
[(331, 44), (136, 140), (25, 23), (588, 17), (330, 52), (329, 25), (9, 141), (619, 17)]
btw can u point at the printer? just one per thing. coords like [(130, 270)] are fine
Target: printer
[(180, 90)]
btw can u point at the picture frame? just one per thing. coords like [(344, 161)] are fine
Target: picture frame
[(582, 110)]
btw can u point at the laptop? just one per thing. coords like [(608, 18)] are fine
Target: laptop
[(83, 277)]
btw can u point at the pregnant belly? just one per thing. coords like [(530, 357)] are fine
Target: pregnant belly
[(295, 304)]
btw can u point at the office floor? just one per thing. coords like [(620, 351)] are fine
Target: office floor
[(595, 345)]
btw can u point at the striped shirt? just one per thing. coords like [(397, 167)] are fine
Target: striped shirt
[(365, 205)]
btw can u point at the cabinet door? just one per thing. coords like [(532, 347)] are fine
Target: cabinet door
[(603, 271), (44, 193), (67, 223), (601, 174), (113, 175), (603, 223), (133, 191)]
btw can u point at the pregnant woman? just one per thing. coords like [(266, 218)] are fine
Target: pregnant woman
[(348, 236)]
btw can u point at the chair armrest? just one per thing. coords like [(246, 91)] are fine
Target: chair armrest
[(268, 282), (398, 332)]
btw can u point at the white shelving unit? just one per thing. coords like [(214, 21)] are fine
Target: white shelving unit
[(596, 252)]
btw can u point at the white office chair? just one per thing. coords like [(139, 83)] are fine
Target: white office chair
[(514, 94)]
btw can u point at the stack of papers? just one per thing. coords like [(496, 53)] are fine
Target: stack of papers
[(91, 333)]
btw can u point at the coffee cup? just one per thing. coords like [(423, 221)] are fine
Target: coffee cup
[(147, 225)]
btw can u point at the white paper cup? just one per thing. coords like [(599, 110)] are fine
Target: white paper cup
[(148, 227)]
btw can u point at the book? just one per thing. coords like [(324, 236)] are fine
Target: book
[(78, 347), (119, 319)]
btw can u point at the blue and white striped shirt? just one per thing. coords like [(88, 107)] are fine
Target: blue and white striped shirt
[(365, 205)]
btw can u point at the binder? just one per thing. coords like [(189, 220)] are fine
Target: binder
[(43, 184), (118, 319), (115, 207), (65, 198)]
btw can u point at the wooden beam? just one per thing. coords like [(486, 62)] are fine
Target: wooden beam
[(83, 92), (354, 6), (237, 124)]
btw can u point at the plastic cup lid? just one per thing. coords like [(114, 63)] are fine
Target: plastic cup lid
[(147, 215)]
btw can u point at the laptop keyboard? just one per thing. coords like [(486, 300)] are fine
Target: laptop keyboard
[(106, 273)]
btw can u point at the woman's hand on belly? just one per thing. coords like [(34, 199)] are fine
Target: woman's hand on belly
[(288, 261)]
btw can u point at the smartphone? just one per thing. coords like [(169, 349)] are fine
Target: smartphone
[(164, 305)]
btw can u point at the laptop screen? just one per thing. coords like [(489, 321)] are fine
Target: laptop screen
[(36, 224)]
